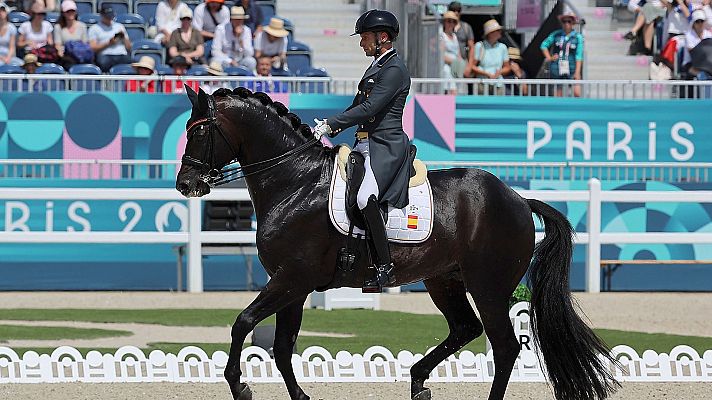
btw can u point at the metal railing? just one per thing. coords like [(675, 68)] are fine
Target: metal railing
[(598, 89), (506, 170)]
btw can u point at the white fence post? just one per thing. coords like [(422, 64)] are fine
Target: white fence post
[(195, 257), (593, 254)]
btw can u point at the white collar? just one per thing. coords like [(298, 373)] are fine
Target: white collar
[(381, 56)]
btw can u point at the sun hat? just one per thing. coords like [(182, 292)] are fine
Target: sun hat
[(30, 58), (237, 12), (185, 12), (698, 15), (68, 5), (145, 62), (38, 8), (514, 54), (450, 15), (215, 68), (276, 28), (568, 13), (491, 26)]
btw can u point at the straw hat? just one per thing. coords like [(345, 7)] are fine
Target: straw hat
[(491, 26), (276, 28), (514, 54), (215, 68), (185, 12), (145, 62), (30, 59), (450, 15), (237, 12)]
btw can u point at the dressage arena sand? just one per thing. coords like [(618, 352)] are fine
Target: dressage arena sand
[(674, 313)]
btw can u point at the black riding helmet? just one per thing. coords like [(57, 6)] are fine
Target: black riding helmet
[(377, 21)]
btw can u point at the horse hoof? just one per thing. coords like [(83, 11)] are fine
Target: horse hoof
[(423, 395), (242, 392)]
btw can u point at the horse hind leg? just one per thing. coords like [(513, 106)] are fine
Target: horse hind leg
[(450, 296), (289, 321)]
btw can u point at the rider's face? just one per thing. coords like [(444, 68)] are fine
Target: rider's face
[(368, 43)]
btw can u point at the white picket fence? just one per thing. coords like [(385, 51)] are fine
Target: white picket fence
[(316, 364)]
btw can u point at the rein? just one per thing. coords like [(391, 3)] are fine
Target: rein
[(226, 174)]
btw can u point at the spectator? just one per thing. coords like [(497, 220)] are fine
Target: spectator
[(8, 34), (49, 5), (677, 18), (36, 32), (254, 22), (466, 39), (109, 41), (647, 15), (264, 69), (232, 45), (453, 63), (145, 66), (180, 67), (697, 32), (491, 57), (169, 14), (187, 41), (566, 56), (214, 69), (67, 30), (30, 63), (208, 16), (516, 72), (272, 42)]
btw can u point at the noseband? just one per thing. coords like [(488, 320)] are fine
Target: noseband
[(210, 173)]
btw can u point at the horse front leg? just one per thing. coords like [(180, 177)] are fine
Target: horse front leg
[(283, 289), (289, 320)]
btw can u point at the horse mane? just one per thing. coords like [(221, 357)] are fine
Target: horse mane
[(280, 110)]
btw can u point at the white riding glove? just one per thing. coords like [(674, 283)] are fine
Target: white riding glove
[(321, 129)]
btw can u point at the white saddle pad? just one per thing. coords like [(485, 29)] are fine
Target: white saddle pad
[(412, 224)]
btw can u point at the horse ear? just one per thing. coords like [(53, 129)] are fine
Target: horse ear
[(192, 96), (202, 100)]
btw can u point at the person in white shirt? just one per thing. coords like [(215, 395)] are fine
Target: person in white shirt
[(109, 41), (208, 16), (36, 32), (232, 45), (699, 31), (168, 18), (677, 16), (8, 33), (272, 42), (647, 15)]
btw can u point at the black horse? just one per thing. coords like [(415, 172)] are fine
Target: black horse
[(482, 243)]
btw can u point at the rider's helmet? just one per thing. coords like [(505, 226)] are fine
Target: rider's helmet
[(377, 21)]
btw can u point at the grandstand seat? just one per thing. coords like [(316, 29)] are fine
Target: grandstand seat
[(50, 68), (281, 72), (85, 7), (17, 17), (122, 69), (119, 6), (313, 87), (10, 85), (289, 26), (84, 69), (198, 70), (148, 48), (52, 17), (86, 85), (238, 71), (192, 3), (313, 73), (11, 69), (298, 57), (268, 11), (146, 9), (208, 49), (135, 25), (90, 19), (164, 69)]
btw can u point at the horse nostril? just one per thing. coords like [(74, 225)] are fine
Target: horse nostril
[(183, 188)]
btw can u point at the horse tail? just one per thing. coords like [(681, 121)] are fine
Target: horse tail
[(570, 348)]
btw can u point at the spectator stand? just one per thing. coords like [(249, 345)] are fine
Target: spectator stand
[(239, 71), (85, 85), (268, 9), (143, 47), (298, 57), (85, 7), (135, 25), (89, 19), (163, 69), (10, 85), (119, 6), (313, 87), (121, 69), (17, 17), (51, 69), (52, 17), (146, 9)]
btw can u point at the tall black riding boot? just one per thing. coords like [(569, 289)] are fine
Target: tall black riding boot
[(380, 252)]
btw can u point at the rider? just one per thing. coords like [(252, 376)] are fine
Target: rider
[(377, 109)]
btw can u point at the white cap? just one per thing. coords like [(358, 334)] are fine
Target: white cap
[(699, 15)]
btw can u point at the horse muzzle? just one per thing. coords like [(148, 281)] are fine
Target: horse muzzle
[(190, 185)]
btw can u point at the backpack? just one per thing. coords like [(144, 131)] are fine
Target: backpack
[(81, 51), (46, 54)]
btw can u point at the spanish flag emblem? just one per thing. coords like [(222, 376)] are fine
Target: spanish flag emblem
[(412, 221)]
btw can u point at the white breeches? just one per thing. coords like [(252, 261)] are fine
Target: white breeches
[(369, 186)]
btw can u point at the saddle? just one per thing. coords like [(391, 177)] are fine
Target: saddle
[(353, 170)]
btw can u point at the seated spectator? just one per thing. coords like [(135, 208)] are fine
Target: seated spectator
[(67, 30), (677, 16), (453, 63), (651, 11), (264, 69), (109, 41), (491, 57), (214, 69), (272, 42), (146, 65), (8, 34), (698, 32), (30, 65), (26, 5), (180, 67), (232, 45), (187, 41), (516, 72), (566, 56), (169, 14), (254, 22), (35, 33), (208, 16)]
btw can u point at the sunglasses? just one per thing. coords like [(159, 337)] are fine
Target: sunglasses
[(567, 21)]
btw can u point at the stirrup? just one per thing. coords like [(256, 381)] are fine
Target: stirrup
[(383, 277)]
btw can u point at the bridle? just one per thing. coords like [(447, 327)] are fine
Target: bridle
[(229, 173)]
